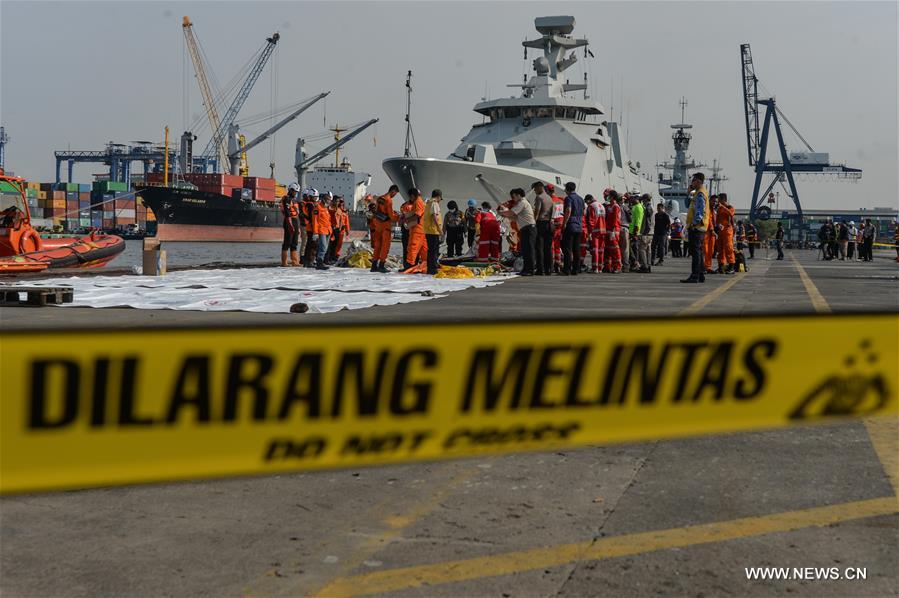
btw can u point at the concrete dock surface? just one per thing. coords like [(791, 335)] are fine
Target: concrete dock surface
[(670, 518)]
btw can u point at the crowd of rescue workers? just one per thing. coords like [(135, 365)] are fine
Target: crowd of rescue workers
[(552, 234)]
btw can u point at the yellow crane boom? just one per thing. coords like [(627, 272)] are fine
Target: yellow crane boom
[(208, 100)]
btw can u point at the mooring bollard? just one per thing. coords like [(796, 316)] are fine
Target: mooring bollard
[(154, 259)]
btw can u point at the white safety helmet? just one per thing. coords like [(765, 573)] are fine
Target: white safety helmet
[(312, 192), (294, 187)]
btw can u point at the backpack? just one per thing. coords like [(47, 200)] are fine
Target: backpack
[(471, 216), (453, 219)]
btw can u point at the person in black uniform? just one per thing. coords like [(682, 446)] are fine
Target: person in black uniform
[(291, 212)]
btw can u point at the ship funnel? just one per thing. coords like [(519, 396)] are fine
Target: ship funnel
[(552, 25)]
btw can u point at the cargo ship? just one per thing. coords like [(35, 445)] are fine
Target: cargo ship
[(214, 207), (231, 208)]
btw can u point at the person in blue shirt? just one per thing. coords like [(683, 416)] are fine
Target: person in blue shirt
[(572, 222)]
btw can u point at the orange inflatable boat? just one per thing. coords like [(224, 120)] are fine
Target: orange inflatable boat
[(22, 249)]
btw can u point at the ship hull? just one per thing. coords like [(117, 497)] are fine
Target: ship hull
[(191, 215), (456, 178)]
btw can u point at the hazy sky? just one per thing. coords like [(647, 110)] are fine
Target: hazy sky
[(79, 74)]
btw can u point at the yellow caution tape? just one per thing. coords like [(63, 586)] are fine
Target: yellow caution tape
[(114, 407)]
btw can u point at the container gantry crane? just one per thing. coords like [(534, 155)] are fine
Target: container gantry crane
[(809, 162)]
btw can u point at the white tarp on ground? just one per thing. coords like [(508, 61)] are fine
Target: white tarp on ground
[(266, 290)]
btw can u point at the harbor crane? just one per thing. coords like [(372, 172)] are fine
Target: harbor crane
[(208, 100), (217, 146), (237, 149), (303, 163), (118, 156), (791, 162)]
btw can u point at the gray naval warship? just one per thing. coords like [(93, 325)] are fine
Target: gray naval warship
[(546, 135)]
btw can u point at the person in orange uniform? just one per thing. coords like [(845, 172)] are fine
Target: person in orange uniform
[(413, 215), (725, 220), (383, 217), (711, 235), (321, 230), (290, 210), (310, 199), (340, 226)]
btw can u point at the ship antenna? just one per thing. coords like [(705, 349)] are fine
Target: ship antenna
[(410, 136)]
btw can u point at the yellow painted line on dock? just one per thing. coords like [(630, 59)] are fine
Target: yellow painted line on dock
[(712, 295), (818, 301), (611, 547), (397, 524), (884, 434)]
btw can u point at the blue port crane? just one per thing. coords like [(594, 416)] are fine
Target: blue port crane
[(218, 142), (791, 162), (118, 157)]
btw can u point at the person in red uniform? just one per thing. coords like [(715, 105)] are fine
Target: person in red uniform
[(595, 224), (725, 218), (382, 219), (613, 229), (340, 225), (413, 217), (558, 218), (489, 242)]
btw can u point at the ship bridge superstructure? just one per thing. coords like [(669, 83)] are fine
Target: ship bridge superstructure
[(548, 132)]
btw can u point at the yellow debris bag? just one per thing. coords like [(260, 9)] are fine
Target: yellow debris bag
[(360, 259), (454, 272)]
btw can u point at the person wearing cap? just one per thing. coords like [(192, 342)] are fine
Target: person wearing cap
[(612, 249), (290, 212), (413, 212), (543, 215), (558, 218), (321, 229), (697, 224), (307, 210), (521, 211), (383, 217), (472, 216), (853, 237), (573, 218), (433, 229), (595, 223), (454, 229)]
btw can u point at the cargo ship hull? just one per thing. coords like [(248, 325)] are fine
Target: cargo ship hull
[(193, 215)]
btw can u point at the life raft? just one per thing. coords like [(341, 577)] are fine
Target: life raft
[(92, 251)]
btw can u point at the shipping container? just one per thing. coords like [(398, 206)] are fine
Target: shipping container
[(255, 182), (71, 195), (84, 205), (59, 204), (264, 194), (85, 222), (221, 190), (124, 214), (123, 204), (84, 195), (72, 206), (56, 195), (108, 223), (69, 187), (122, 221), (108, 214), (42, 194), (84, 188), (108, 186), (280, 191), (31, 192)]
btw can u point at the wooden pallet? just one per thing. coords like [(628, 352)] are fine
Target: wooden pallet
[(35, 296)]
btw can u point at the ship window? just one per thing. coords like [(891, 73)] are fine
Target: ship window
[(560, 112), (544, 112), (513, 112), (528, 112)]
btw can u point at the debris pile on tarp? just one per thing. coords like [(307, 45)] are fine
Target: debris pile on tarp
[(267, 290)]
